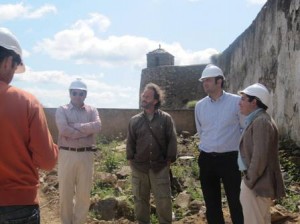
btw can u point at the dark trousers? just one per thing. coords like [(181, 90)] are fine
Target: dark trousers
[(214, 169), (20, 214)]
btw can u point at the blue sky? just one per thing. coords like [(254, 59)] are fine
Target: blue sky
[(105, 42)]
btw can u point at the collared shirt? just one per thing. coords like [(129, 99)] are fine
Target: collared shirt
[(219, 123), (142, 148), (248, 121), (77, 127)]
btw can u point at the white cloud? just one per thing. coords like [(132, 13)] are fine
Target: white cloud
[(96, 20), (51, 88), (13, 11), (81, 44), (185, 57), (256, 2), (30, 76), (40, 12), (25, 53)]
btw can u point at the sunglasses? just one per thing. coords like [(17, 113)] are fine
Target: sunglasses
[(17, 59), (81, 94)]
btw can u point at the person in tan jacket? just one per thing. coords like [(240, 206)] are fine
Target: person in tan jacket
[(258, 158)]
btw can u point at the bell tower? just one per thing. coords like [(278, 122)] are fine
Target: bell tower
[(159, 57)]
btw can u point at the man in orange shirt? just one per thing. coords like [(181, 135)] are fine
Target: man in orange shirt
[(26, 144)]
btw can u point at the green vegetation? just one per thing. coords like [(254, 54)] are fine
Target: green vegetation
[(103, 190), (153, 219), (112, 157), (291, 201), (191, 104), (195, 192), (288, 150)]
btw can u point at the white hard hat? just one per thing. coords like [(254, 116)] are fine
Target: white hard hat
[(10, 42), (78, 84), (258, 90), (211, 71)]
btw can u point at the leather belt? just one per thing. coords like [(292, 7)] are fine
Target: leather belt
[(84, 149), (221, 154)]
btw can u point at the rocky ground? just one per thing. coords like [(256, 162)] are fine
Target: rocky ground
[(111, 200)]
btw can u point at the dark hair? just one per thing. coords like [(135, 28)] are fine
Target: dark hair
[(70, 91), (158, 93), (258, 102), (4, 53), (219, 77)]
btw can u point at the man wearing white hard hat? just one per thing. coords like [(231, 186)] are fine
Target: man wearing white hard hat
[(78, 124), (219, 124), (26, 144), (258, 158)]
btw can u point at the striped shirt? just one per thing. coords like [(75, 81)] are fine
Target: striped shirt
[(77, 127)]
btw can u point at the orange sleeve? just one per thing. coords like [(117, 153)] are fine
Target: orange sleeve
[(44, 151)]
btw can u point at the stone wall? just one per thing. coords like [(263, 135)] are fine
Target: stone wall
[(154, 60), (180, 83), (269, 52), (115, 121)]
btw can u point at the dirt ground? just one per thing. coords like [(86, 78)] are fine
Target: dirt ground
[(49, 209), (50, 214)]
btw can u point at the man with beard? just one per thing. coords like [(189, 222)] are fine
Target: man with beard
[(151, 148)]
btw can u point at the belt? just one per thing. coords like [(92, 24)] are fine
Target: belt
[(84, 149), (219, 154)]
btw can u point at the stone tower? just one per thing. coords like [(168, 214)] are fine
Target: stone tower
[(180, 83), (159, 57)]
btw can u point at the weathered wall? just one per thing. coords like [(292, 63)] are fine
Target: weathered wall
[(115, 121), (269, 52), (180, 83), (159, 59)]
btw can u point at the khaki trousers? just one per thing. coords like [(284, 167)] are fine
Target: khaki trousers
[(159, 184), (75, 177), (256, 209)]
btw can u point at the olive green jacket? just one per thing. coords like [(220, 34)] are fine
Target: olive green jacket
[(143, 150)]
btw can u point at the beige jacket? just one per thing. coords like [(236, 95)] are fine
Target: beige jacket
[(259, 151)]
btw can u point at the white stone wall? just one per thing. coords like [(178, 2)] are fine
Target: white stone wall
[(269, 52)]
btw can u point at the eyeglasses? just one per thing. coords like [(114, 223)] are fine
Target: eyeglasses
[(81, 94)]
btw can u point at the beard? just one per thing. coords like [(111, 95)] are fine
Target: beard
[(146, 105)]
